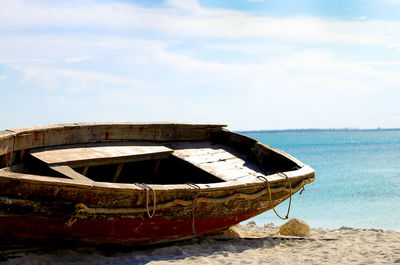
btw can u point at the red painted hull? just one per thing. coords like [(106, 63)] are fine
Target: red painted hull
[(121, 231)]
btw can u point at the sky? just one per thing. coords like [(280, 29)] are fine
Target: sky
[(251, 64)]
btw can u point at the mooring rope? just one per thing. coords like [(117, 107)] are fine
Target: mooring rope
[(148, 188), (148, 198), (82, 211), (194, 204), (270, 195), (301, 191)]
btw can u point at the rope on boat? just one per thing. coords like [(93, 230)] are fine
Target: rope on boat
[(194, 204), (148, 188), (270, 195), (82, 211), (154, 201), (302, 189)]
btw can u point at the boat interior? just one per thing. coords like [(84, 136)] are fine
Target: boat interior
[(143, 162)]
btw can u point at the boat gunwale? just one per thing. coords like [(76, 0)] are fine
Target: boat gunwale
[(33, 128), (9, 134)]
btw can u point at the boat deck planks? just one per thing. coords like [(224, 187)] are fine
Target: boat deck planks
[(220, 160), (101, 155)]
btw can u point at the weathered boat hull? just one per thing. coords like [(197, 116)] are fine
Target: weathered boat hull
[(44, 209)]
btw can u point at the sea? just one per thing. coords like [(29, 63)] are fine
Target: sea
[(357, 180)]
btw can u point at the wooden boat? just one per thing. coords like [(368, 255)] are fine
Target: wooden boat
[(136, 183)]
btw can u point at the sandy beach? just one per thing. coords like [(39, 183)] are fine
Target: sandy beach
[(244, 244)]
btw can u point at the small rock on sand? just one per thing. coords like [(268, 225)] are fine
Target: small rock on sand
[(295, 227)]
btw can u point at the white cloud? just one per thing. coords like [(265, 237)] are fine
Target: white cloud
[(181, 61), (79, 59), (199, 22), (25, 60), (49, 48), (57, 100), (251, 47), (77, 80), (393, 2), (191, 5), (360, 18)]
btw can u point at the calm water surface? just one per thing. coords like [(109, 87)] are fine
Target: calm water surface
[(357, 177)]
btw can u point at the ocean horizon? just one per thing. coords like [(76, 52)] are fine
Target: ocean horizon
[(345, 129), (357, 180)]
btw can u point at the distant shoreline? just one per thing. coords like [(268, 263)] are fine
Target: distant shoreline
[(319, 130)]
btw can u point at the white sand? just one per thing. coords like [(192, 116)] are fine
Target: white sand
[(342, 246)]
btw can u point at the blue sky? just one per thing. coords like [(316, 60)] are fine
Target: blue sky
[(249, 64)]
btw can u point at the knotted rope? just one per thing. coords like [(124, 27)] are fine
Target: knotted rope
[(270, 195)]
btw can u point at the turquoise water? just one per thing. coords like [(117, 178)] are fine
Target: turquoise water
[(357, 177)]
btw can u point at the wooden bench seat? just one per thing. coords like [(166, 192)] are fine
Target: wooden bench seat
[(82, 156)]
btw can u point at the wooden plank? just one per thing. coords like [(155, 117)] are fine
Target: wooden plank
[(100, 155), (206, 159), (200, 148), (231, 174), (197, 152), (156, 166), (241, 142), (69, 172), (219, 160), (118, 172), (6, 141), (76, 133), (272, 158), (231, 170), (85, 170)]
